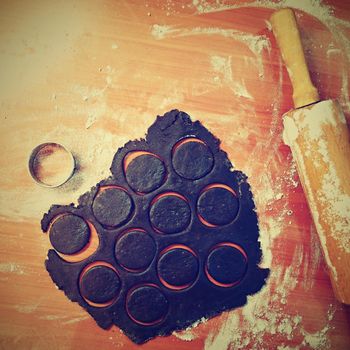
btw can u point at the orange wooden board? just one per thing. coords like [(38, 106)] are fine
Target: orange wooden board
[(94, 74)]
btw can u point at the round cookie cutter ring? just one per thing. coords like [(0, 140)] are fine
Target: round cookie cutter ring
[(212, 279), (184, 286), (191, 139), (161, 196), (89, 267), (213, 186), (89, 249), (49, 146), (123, 234), (142, 323)]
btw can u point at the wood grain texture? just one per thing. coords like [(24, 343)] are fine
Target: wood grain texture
[(326, 141), (93, 75), (286, 31), (322, 153)]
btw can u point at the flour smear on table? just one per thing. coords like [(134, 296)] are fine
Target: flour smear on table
[(94, 147), (261, 315)]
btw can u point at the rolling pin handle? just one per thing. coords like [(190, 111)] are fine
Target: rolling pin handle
[(287, 35)]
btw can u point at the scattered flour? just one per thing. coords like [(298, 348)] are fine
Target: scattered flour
[(76, 320), (318, 9), (227, 334), (66, 319), (189, 333), (264, 312), (256, 43), (161, 31), (169, 97), (52, 317), (9, 267), (313, 124), (223, 66), (27, 309), (319, 340), (95, 160)]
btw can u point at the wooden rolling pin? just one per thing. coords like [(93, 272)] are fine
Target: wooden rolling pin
[(318, 136)]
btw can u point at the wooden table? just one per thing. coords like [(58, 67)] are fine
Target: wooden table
[(93, 75)]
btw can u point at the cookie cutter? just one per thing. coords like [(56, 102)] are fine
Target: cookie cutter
[(39, 161)]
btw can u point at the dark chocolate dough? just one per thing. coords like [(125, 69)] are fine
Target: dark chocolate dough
[(170, 214), (217, 206), (100, 284), (145, 173), (148, 238), (69, 234), (147, 304), (135, 250), (193, 160), (112, 207), (226, 264), (178, 267)]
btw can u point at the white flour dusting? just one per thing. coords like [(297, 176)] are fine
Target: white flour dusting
[(313, 124), (319, 339), (318, 9), (266, 313), (10, 267), (76, 320), (256, 43), (222, 65), (189, 333), (26, 309), (95, 161)]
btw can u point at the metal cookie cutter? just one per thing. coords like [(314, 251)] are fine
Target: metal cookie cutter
[(51, 164)]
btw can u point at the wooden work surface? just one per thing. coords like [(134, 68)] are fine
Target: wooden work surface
[(93, 75)]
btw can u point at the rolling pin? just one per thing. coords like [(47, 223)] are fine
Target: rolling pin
[(317, 133)]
